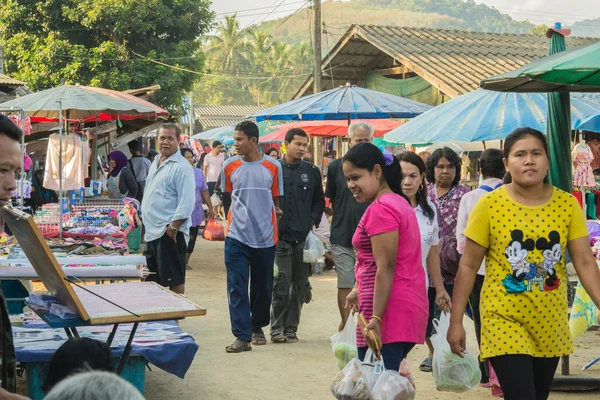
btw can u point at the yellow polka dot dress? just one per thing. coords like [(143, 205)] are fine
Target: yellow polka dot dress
[(524, 296)]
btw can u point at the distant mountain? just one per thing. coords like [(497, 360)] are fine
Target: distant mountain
[(337, 16), (587, 27)]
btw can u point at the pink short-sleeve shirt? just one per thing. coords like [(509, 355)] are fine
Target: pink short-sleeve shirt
[(405, 317)]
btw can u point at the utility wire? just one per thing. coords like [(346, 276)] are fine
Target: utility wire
[(256, 9), (290, 16), (214, 75)]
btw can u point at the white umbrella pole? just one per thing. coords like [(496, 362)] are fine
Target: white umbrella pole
[(60, 169)]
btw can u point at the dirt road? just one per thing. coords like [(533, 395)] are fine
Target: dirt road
[(287, 371)]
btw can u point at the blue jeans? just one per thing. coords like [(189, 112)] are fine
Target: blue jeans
[(246, 264), (392, 353)]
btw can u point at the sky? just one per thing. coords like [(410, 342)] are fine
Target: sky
[(536, 11)]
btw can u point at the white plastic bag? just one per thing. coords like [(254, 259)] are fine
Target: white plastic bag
[(392, 386), (353, 382), (215, 199), (313, 249), (343, 344), (451, 372)]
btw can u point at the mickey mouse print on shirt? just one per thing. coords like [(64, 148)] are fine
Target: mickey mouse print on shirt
[(527, 275)]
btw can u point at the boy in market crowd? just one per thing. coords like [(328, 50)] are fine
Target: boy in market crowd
[(302, 205), (255, 184)]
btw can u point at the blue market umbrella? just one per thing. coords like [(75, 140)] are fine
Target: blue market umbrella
[(486, 115), (215, 133), (344, 103), (225, 132)]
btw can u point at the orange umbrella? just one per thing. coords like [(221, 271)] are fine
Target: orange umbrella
[(329, 128)]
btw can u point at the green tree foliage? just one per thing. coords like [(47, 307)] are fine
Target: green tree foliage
[(246, 66), (479, 17), (539, 30), (93, 42)]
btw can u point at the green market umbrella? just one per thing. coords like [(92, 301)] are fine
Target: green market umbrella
[(559, 126), (575, 70)]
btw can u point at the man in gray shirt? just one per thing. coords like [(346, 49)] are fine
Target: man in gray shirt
[(140, 166), (346, 215)]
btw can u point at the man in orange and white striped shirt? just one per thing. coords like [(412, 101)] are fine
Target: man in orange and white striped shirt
[(255, 183)]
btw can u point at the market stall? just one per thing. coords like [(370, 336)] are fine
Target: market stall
[(69, 154)]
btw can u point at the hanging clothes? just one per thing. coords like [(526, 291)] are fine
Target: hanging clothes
[(594, 145), (74, 157), (584, 175), (590, 201)]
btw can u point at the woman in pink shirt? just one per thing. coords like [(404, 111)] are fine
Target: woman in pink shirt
[(389, 274)]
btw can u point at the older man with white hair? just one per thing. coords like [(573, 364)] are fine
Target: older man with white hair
[(346, 215)]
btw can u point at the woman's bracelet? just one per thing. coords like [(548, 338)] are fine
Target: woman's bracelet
[(355, 290), (377, 318)]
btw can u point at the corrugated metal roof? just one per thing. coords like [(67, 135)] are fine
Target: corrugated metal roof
[(453, 61), (204, 111), (7, 80), (217, 116), (210, 123)]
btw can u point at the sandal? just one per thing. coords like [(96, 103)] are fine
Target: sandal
[(290, 337), (426, 365), (259, 339), (278, 338), (238, 346)]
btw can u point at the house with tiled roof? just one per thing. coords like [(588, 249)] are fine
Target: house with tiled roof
[(427, 65), (210, 117)]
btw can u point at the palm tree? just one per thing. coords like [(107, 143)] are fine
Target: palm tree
[(277, 86), (302, 60), (227, 49), (257, 49)]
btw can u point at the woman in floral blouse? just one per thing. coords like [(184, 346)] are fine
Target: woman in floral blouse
[(445, 191)]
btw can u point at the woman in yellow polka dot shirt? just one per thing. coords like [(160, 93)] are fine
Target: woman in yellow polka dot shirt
[(524, 228)]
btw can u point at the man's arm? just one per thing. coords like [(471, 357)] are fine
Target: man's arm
[(318, 201), (330, 188), (205, 166), (186, 197), (461, 224), (277, 189)]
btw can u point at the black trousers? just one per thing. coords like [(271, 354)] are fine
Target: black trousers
[(523, 377), (475, 298)]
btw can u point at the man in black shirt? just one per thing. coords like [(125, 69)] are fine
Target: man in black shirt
[(302, 204), (346, 215)]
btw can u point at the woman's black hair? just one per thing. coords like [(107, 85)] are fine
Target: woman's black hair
[(491, 164), (200, 163), (367, 155), (421, 195), (186, 150), (436, 156), (74, 355), (270, 149), (519, 134)]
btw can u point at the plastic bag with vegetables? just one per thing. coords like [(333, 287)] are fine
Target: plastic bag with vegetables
[(392, 386), (451, 372), (353, 382), (343, 344)]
